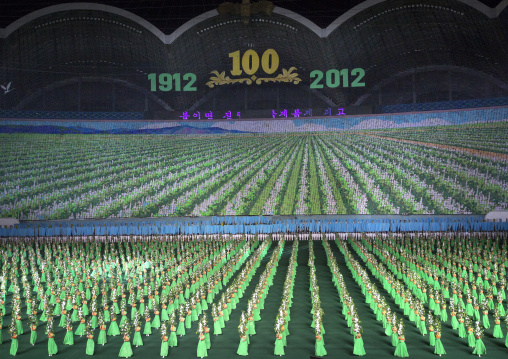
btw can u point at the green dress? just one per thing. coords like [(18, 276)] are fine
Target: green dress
[(19, 327), (125, 350), (395, 339), (498, 333), (137, 341), (455, 322), (252, 327), (462, 330), (470, 340), (156, 322), (33, 337), (207, 341), (62, 323), (102, 339), (401, 350), (164, 314), (173, 339), (14, 347), (438, 348), (81, 330), (319, 348), (164, 348), (243, 347), (69, 338), (217, 328), (52, 348), (181, 329), (107, 316), (90, 347), (201, 351), (358, 348), (479, 348), (279, 347), (113, 329), (148, 328), (486, 322)]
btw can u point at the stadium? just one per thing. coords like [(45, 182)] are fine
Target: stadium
[(272, 178)]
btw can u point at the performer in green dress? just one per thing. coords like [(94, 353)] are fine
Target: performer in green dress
[(358, 348), (432, 329), (14, 338), (173, 340), (137, 340), (156, 322), (90, 344), (164, 336), (498, 332), (69, 336), (217, 330), (453, 313), (181, 324), (395, 337), (461, 320), (243, 346), (52, 347), (279, 329), (32, 321), (438, 347), (188, 317), (401, 349), (319, 347), (126, 349), (113, 329), (485, 318), (470, 332), (201, 350), (82, 323), (479, 348), (102, 339), (204, 319), (148, 325)]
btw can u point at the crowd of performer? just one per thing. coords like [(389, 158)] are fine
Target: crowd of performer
[(105, 286)]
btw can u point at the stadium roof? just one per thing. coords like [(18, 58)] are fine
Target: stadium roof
[(411, 50), (169, 15)]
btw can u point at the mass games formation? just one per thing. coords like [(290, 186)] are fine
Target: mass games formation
[(191, 181), (124, 295)]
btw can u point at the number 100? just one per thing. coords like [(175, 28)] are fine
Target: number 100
[(250, 62)]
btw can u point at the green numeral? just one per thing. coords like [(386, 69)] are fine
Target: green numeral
[(153, 82), (176, 78), (192, 78), (361, 74), (332, 78), (345, 77), (319, 76), (165, 82)]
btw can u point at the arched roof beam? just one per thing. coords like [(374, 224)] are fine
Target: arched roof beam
[(73, 80), (455, 69), (168, 39), (475, 4)]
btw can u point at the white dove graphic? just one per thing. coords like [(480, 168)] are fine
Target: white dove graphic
[(6, 88)]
